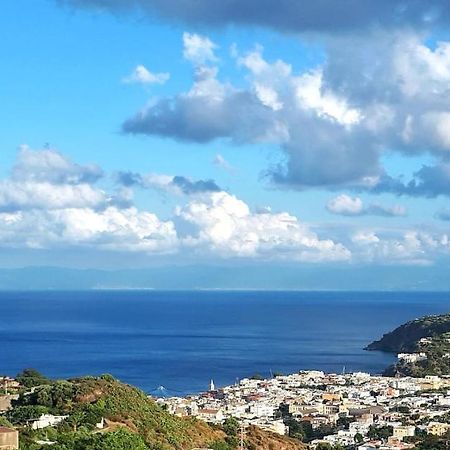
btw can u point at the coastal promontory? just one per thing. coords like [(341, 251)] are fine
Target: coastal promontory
[(422, 345)]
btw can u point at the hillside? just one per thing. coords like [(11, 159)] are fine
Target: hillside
[(429, 336), (263, 440), (405, 338), (437, 362), (132, 420)]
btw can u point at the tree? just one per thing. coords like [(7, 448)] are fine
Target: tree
[(121, 439), (380, 432), (5, 423), (257, 376), (76, 419), (359, 438), (219, 445), (431, 442), (324, 446), (231, 426), (22, 414), (31, 378), (299, 430), (344, 422)]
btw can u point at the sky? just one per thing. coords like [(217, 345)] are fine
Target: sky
[(143, 133)]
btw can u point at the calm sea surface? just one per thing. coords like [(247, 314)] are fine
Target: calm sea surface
[(183, 339)]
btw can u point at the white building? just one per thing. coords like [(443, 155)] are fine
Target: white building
[(412, 357), (47, 420)]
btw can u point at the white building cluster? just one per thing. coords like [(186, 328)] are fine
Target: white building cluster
[(348, 405)]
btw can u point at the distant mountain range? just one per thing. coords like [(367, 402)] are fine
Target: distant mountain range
[(275, 277)]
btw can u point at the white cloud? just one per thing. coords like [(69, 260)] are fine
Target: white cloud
[(50, 202), (142, 75), (51, 166), (408, 247), (334, 121), (19, 195), (353, 206), (311, 94), (198, 49), (53, 206), (225, 225), (345, 205), (109, 229), (420, 70), (127, 229), (175, 185)]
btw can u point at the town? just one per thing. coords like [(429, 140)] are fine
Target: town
[(355, 410)]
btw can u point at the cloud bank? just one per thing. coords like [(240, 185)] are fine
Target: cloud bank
[(333, 122), (50, 202), (287, 15)]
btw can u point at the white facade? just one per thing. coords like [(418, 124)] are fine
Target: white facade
[(47, 420)]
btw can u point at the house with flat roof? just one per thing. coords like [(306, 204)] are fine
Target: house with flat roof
[(9, 439)]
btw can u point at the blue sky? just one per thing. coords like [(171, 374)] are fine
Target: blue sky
[(325, 143)]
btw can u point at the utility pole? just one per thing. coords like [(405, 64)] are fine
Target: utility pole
[(241, 437)]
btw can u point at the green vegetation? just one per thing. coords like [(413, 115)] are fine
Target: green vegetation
[(437, 349), (325, 446), (132, 420), (257, 376), (430, 442), (406, 337), (302, 429), (382, 433), (31, 377), (4, 422), (429, 335)]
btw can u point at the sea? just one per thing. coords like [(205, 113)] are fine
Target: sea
[(174, 343)]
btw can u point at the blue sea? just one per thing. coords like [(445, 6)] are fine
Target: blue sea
[(181, 340)]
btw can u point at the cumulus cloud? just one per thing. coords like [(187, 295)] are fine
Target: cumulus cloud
[(51, 166), (142, 75), (429, 181), (109, 229), (57, 204), (353, 206), (172, 184), (333, 122), (408, 247), (209, 110), (53, 206), (198, 49), (225, 225), (288, 15), (345, 205), (50, 201), (16, 196), (46, 179)]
